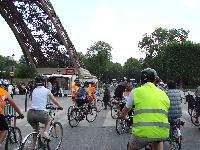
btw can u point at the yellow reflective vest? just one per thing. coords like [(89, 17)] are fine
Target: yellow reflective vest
[(150, 118)]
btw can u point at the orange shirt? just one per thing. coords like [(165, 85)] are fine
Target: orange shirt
[(3, 93), (92, 92), (75, 88)]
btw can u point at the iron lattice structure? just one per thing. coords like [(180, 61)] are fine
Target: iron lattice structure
[(40, 34)]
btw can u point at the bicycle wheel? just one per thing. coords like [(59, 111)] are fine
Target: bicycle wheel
[(120, 126), (190, 108), (99, 105), (74, 117), (114, 111), (195, 117), (31, 141), (175, 139), (69, 110), (91, 113), (14, 138), (56, 135)]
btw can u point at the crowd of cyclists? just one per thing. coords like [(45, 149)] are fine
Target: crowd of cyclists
[(155, 106)]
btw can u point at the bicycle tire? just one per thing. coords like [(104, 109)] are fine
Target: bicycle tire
[(190, 111), (69, 110), (91, 114), (74, 114), (27, 142), (195, 117), (99, 105), (114, 111), (174, 139), (120, 126), (55, 139), (13, 139)]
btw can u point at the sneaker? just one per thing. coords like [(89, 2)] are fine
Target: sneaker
[(46, 136)]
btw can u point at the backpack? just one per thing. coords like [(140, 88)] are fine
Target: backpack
[(80, 92)]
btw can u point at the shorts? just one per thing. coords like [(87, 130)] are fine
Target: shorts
[(37, 116), (3, 123), (139, 143)]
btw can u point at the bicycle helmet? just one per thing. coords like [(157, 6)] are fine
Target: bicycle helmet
[(86, 83), (148, 75), (39, 79), (4, 82)]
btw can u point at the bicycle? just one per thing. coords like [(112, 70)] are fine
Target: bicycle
[(175, 136), (116, 107), (98, 103), (78, 114), (124, 125), (14, 136), (34, 140)]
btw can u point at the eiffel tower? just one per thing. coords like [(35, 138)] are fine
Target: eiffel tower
[(41, 35)]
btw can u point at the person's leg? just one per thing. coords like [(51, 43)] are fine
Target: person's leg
[(46, 120), (35, 127), (2, 136)]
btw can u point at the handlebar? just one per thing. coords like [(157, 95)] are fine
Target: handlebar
[(52, 107), (13, 116)]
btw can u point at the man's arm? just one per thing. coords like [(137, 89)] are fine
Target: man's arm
[(12, 103), (125, 111), (129, 105)]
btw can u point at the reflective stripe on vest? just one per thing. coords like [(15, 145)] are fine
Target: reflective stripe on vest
[(150, 118), (151, 111), (160, 124)]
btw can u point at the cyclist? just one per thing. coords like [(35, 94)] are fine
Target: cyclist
[(83, 95), (150, 119), (38, 113), (91, 89), (75, 89), (120, 88), (175, 101), (4, 99)]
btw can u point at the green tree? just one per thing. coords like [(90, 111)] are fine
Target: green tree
[(22, 60), (151, 44), (132, 68), (114, 71), (98, 58), (24, 71), (182, 63)]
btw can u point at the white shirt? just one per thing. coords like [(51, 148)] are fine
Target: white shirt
[(10, 89), (49, 86), (40, 96), (130, 100)]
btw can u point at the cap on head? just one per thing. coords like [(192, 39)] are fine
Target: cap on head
[(148, 75)]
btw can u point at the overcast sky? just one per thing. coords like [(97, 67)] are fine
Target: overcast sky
[(121, 23)]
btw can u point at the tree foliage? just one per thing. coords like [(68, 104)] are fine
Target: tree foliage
[(132, 69), (151, 44), (98, 58)]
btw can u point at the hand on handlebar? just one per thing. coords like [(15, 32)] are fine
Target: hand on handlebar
[(60, 108)]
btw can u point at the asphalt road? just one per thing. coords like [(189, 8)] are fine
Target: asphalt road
[(101, 134)]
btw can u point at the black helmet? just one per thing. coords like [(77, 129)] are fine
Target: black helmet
[(39, 79), (86, 83), (148, 75)]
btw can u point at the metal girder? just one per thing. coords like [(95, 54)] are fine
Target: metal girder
[(39, 31)]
